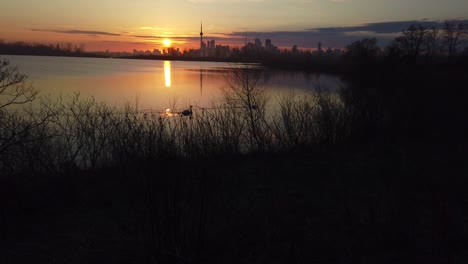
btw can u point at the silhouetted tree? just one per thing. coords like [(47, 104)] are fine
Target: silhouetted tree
[(294, 49), (454, 34), (431, 43), (79, 49), (21, 133), (363, 50), (245, 90), (13, 87), (411, 42)]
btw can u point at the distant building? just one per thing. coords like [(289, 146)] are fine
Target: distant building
[(201, 37), (258, 43), (203, 52), (207, 49), (211, 44), (173, 52), (222, 51)]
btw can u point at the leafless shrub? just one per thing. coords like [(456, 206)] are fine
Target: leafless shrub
[(14, 90), (246, 90)]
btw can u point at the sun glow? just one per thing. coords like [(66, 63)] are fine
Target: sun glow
[(167, 42)]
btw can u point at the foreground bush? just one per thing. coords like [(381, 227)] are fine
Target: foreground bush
[(56, 135)]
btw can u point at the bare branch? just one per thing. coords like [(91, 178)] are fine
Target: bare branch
[(13, 87)]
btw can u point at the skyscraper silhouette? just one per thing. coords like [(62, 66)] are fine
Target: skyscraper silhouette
[(201, 39)]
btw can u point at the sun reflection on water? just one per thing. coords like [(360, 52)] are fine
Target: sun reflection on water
[(167, 73)]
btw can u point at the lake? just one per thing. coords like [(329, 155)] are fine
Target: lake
[(156, 84)]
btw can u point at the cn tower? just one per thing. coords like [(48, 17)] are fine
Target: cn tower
[(201, 36)]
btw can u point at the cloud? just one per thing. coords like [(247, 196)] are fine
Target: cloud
[(382, 27), (78, 32), (336, 37), (145, 36)]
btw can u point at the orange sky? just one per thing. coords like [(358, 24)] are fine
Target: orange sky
[(119, 25)]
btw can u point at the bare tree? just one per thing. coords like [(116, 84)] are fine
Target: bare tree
[(13, 87), (454, 34), (245, 90), (431, 43), (364, 49), (15, 130), (411, 42)]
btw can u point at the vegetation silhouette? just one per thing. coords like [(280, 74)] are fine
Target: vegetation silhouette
[(37, 49), (374, 174)]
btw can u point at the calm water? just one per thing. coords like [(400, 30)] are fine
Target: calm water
[(156, 84)]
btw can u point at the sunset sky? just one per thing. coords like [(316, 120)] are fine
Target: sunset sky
[(119, 25)]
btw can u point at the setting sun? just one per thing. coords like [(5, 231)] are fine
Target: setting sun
[(167, 42)]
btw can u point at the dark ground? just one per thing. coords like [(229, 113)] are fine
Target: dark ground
[(339, 206)]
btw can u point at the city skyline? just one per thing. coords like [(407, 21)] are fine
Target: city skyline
[(147, 25)]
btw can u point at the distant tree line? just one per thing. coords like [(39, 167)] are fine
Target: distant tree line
[(58, 49), (417, 43)]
